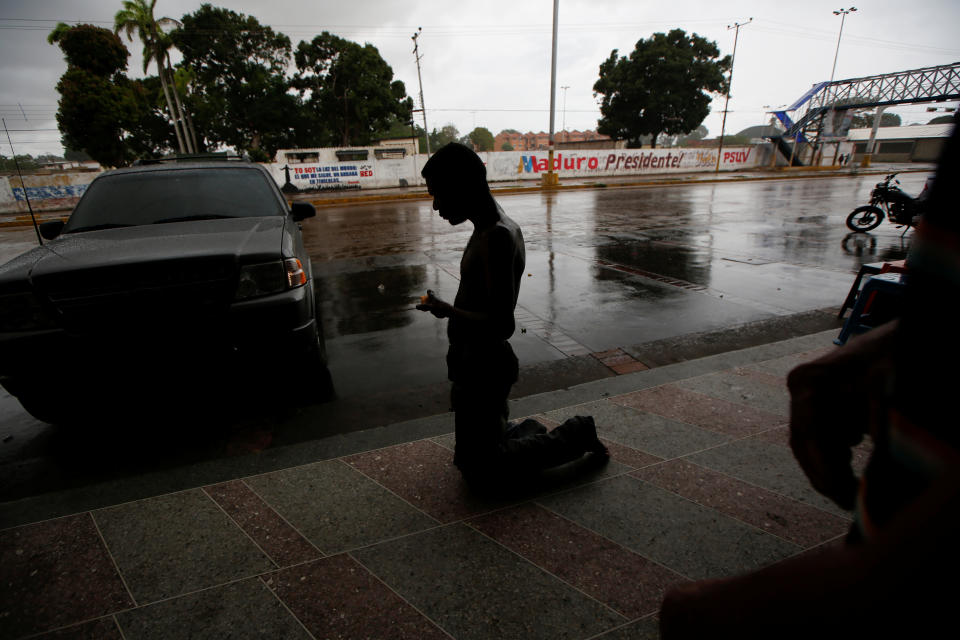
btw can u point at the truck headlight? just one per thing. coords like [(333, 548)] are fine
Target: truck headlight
[(271, 277)]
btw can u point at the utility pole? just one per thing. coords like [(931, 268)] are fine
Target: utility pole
[(843, 17), (565, 137), (733, 58), (550, 178), (423, 107)]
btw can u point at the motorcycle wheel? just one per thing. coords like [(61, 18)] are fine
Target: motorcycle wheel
[(865, 218)]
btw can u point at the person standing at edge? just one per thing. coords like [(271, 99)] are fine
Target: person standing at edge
[(480, 361)]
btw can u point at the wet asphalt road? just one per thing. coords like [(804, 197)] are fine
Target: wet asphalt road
[(606, 268)]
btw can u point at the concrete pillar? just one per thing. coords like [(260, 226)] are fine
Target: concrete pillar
[(868, 152)]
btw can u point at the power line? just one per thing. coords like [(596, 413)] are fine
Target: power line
[(448, 31)]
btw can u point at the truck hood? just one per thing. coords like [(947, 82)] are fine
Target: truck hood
[(192, 250)]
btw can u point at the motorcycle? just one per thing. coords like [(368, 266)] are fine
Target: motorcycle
[(890, 200)]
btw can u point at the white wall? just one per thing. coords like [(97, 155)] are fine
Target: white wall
[(328, 173), (62, 191), (46, 192)]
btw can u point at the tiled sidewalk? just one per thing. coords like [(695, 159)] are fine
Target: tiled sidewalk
[(388, 543)]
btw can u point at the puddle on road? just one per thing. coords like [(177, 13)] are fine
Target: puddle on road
[(368, 301)]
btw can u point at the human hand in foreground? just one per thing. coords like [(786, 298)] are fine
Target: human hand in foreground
[(435, 305), (834, 401)]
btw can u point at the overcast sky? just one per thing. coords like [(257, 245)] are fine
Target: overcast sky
[(487, 63)]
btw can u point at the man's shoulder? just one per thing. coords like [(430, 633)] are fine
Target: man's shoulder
[(506, 223), (506, 231)]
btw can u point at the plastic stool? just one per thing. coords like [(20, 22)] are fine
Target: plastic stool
[(885, 284)]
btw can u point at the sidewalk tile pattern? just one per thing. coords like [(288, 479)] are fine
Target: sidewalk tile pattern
[(789, 519), (766, 465), (631, 585), (741, 388), (280, 541), (646, 629), (487, 591), (390, 542), (337, 508), (629, 456), (242, 610), (337, 598), (647, 432), (423, 474), (173, 544), (56, 573), (696, 541), (714, 414), (102, 629)]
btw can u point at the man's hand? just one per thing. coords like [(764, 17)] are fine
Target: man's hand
[(436, 306), (835, 401), (826, 419)]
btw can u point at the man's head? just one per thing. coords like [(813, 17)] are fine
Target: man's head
[(457, 180)]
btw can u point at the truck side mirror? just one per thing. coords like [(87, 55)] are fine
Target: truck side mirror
[(51, 229), (302, 211)]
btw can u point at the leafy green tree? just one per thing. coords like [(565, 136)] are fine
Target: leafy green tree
[(697, 134), (98, 108), (865, 121), (26, 162), (350, 87), (506, 146), (151, 136), (662, 87), (447, 134), (90, 48), (74, 154), (96, 114), (941, 120), (399, 129), (242, 96), (482, 139), (137, 15)]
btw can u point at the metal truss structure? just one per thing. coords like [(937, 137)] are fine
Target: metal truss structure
[(930, 84)]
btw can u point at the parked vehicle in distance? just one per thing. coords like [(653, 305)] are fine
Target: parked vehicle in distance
[(168, 272), (890, 200)]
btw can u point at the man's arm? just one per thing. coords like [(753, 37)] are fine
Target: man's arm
[(497, 250)]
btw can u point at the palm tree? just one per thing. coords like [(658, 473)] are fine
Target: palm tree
[(137, 15)]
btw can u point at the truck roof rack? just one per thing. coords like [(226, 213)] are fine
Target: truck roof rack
[(193, 157)]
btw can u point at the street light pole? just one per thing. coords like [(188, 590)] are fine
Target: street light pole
[(550, 178), (733, 58), (565, 87), (843, 16)]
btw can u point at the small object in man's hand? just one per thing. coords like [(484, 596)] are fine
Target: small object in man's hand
[(424, 299)]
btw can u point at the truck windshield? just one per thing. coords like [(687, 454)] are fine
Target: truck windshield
[(173, 195)]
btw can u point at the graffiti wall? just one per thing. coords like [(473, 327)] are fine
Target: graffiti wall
[(530, 165), (45, 192), (332, 175), (325, 171), (328, 173)]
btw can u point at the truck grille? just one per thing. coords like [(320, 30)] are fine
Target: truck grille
[(161, 296)]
